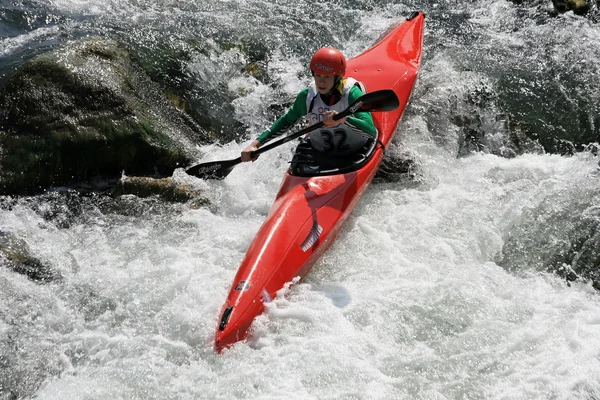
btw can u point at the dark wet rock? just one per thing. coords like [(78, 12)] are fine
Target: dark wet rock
[(196, 78), (560, 5), (561, 235), (593, 148), (86, 110), (523, 111), (580, 7), (522, 141), (257, 70), (62, 208), (483, 125), (542, 85), (397, 168), (142, 207), (183, 70), (472, 140), (16, 255), (563, 147), (166, 188), (65, 208), (556, 108)]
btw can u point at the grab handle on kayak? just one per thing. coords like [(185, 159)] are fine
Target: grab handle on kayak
[(414, 15), (225, 318)]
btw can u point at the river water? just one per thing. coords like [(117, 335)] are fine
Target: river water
[(409, 303)]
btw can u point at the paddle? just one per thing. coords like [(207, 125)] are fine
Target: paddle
[(381, 100)]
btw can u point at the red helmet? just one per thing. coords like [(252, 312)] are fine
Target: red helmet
[(328, 61)]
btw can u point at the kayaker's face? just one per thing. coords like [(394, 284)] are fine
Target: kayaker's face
[(324, 83)]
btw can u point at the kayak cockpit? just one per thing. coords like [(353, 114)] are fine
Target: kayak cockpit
[(308, 162)]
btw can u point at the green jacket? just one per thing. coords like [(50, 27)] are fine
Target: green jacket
[(362, 121)]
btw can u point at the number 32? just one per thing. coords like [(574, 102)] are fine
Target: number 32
[(334, 141)]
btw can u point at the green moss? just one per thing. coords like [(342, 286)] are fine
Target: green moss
[(166, 188), (62, 126)]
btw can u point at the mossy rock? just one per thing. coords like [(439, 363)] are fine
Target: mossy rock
[(398, 168), (166, 188), (16, 255), (579, 7), (86, 110)]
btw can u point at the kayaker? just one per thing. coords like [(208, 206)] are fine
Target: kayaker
[(327, 95)]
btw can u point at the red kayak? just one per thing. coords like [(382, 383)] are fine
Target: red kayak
[(309, 211)]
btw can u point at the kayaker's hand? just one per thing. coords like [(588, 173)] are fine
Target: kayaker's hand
[(328, 120), (246, 156)]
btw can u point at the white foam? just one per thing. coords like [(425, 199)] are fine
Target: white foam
[(408, 302), (9, 45)]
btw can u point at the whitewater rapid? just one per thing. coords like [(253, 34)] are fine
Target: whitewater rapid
[(410, 302)]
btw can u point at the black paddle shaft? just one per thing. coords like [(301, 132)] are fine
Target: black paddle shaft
[(381, 100)]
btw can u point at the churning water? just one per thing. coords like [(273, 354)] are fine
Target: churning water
[(409, 303)]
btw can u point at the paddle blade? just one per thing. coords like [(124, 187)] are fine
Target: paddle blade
[(380, 100), (213, 169)]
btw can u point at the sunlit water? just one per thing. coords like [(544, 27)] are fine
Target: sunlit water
[(408, 303)]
